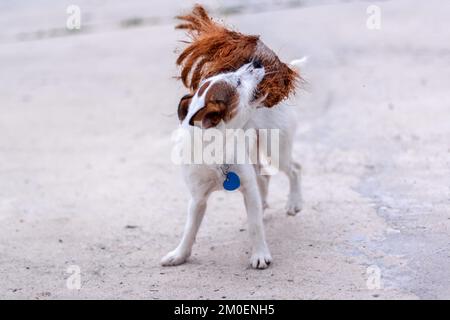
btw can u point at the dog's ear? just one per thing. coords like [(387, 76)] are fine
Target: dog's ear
[(183, 106), (210, 115)]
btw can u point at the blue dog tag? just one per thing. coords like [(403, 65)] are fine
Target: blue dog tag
[(232, 181)]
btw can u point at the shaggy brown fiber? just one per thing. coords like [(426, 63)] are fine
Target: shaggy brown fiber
[(215, 49)]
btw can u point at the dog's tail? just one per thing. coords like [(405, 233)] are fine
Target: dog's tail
[(298, 63)]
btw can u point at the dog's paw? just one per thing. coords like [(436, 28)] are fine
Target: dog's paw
[(174, 258), (293, 206), (261, 260)]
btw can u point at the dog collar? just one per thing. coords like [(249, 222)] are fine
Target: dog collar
[(232, 181)]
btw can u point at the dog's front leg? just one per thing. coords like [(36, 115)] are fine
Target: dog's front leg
[(196, 212), (261, 257)]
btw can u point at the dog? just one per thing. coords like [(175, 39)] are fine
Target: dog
[(231, 100)]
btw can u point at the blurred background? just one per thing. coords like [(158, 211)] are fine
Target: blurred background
[(86, 118)]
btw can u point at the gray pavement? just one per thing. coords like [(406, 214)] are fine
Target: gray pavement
[(86, 178)]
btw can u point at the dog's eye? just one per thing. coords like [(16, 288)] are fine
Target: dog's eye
[(239, 82)]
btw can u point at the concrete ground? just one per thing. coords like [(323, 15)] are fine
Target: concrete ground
[(86, 178)]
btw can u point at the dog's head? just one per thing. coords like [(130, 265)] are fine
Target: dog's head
[(214, 49), (223, 100)]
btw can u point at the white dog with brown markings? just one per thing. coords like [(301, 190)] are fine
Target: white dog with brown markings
[(227, 101)]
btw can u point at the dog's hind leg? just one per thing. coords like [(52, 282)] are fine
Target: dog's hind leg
[(294, 204), (263, 184)]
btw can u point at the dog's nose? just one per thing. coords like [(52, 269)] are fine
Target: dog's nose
[(257, 64)]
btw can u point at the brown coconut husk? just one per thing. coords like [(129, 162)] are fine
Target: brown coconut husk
[(215, 49)]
